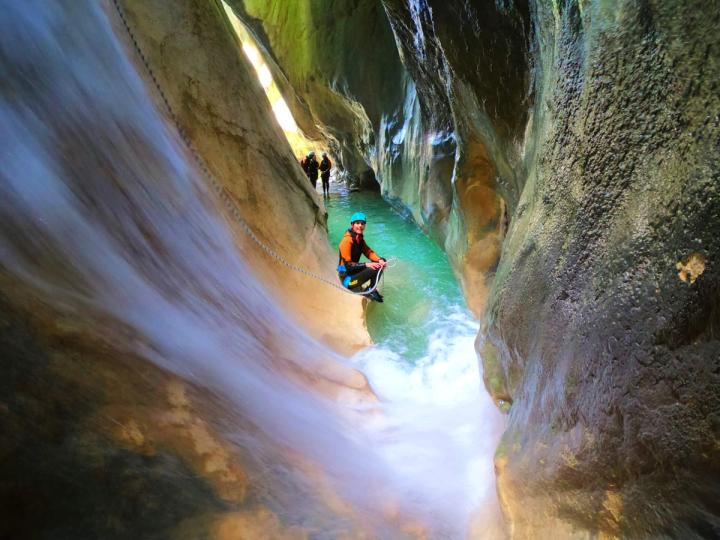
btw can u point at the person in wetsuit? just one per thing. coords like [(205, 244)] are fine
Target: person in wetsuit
[(310, 165), (325, 166), (353, 274)]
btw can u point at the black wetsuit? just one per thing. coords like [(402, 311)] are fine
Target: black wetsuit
[(356, 271), (325, 166), (311, 166)]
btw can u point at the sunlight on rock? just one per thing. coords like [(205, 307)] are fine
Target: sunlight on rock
[(250, 50), (284, 116), (260, 523), (691, 267), (298, 142), (264, 76), (613, 504), (132, 434)]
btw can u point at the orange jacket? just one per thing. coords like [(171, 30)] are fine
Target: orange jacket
[(352, 246)]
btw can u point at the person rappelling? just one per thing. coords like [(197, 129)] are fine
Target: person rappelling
[(356, 276)]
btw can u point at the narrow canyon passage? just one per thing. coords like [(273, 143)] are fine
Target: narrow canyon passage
[(178, 358), (440, 427)]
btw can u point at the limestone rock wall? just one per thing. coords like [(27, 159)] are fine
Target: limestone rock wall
[(603, 320), (470, 111), (340, 67), (224, 113)]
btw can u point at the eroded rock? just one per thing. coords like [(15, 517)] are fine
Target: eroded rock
[(225, 116), (612, 424)]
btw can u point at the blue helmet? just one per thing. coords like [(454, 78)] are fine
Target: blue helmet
[(358, 216)]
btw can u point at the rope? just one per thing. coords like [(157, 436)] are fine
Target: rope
[(220, 191)]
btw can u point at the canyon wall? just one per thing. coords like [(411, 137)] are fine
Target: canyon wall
[(220, 107), (428, 108), (338, 69), (565, 155), (461, 161), (603, 319)]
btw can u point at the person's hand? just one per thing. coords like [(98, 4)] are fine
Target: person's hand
[(374, 265)]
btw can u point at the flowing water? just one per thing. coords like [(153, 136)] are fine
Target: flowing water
[(104, 215), (423, 362)]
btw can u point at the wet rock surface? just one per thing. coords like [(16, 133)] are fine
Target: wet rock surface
[(96, 442), (471, 111), (224, 114), (611, 359), (64, 453), (341, 70)]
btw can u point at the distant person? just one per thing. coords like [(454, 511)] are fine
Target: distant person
[(310, 165), (325, 166), (353, 274)]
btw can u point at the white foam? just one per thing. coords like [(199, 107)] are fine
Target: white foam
[(439, 428)]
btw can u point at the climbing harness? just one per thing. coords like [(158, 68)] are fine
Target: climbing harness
[(220, 191), (389, 263), (347, 280)]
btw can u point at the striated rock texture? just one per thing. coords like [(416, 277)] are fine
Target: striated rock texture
[(338, 69), (605, 312), (223, 111), (453, 157)]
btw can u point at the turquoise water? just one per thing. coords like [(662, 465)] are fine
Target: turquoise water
[(439, 428), (420, 290)]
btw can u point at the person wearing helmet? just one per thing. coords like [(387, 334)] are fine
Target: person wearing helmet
[(310, 165), (353, 274), (325, 166)]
